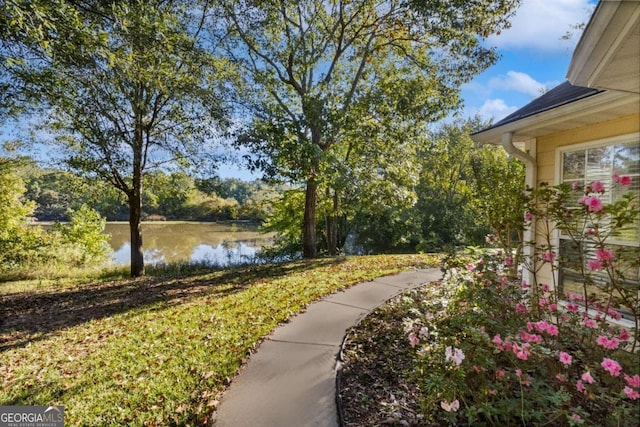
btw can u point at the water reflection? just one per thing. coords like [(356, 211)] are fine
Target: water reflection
[(219, 244)]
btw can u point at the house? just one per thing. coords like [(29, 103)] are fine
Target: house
[(580, 130)]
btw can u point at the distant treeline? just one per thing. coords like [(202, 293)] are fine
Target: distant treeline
[(166, 196)]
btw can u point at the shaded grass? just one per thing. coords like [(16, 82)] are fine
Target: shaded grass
[(157, 350)]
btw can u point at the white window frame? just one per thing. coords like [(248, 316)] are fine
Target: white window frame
[(558, 172)]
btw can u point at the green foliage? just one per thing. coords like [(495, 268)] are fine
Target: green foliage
[(24, 246), (466, 192), (82, 239), (285, 219), (498, 182), (20, 243)]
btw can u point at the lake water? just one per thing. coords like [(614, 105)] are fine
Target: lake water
[(170, 242)]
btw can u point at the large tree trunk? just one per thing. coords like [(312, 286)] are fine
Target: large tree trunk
[(135, 209), (135, 230), (309, 246)]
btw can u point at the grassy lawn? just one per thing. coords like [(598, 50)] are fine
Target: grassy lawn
[(156, 350)]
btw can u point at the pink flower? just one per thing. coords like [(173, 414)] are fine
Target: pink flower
[(593, 204), (561, 378), (518, 373), (594, 265), (631, 393), (524, 285), (530, 337), (413, 339), (633, 381), (500, 373), (450, 407), (589, 323), (587, 378), (609, 344), (580, 386), (521, 308), (575, 185), (604, 254), (597, 187), (552, 330), (552, 307), (565, 358), (576, 417), (545, 288), (575, 297), (614, 313), (471, 267), (528, 216), (611, 366), (541, 326), (455, 355), (492, 392), (521, 352), (624, 334), (573, 307), (548, 256), (625, 181), (508, 261)]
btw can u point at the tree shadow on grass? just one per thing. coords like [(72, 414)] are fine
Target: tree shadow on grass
[(27, 317)]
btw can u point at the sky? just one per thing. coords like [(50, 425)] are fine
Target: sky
[(534, 57)]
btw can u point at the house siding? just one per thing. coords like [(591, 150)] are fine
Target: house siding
[(548, 144), (546, 156)]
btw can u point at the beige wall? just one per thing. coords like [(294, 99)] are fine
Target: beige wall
[(548, 144)]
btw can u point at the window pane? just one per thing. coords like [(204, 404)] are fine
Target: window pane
[(573, 165), (599, 164), (627, 159), (631, 233)]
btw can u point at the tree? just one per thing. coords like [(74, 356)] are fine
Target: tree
[(466, 192), (308, 62), (18, 241), (143, 90)]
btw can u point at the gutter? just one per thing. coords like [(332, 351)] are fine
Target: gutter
[(529, 161), (531, 176)]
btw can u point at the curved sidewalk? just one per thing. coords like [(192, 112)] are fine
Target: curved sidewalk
[(290, 380)]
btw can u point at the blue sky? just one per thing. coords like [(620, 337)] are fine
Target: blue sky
[(533, 57)]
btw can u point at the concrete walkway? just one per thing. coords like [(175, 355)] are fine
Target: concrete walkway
[(290, 380)]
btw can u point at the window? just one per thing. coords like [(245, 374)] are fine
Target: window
[(600, 161)]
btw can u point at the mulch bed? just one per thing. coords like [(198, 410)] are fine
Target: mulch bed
[(374, 385)]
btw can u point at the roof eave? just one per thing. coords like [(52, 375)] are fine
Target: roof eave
[(567, 115), (610, 27)]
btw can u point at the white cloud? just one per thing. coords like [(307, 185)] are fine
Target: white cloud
[(519, 82), (495, 109), (540, 25)]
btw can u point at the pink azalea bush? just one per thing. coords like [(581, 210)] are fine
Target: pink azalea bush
[(499, 351)]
